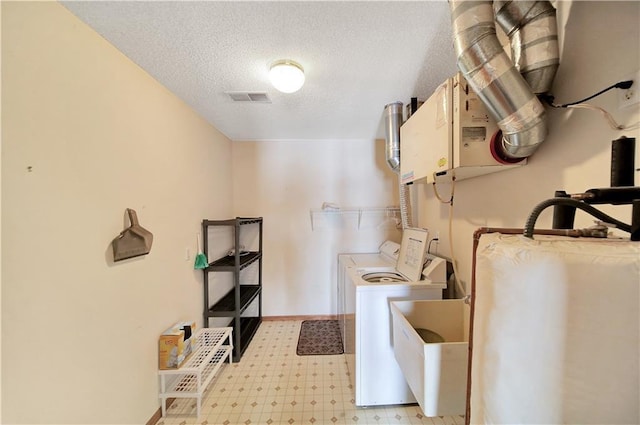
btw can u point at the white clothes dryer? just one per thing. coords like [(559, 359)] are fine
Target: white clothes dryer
[(385, 259)]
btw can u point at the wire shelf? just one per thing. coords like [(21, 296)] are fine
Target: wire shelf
[(193, 377), (180, 384)]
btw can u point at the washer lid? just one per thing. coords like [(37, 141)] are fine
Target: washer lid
[(413, 251)]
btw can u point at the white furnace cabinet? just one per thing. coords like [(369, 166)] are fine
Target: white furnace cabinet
[(450, 134)]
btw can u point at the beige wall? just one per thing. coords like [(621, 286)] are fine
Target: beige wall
[(283, 181), (79, 333)]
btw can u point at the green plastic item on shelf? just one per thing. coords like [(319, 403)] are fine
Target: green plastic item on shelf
[(201, 259)]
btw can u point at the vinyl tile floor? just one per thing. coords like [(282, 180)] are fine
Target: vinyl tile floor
[(272, 385)]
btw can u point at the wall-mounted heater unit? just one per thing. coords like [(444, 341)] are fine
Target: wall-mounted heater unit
[(450, 135)]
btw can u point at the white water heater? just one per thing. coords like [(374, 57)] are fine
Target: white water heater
[(449, 135)]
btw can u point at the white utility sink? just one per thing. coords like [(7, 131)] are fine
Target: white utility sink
[(435, 372)]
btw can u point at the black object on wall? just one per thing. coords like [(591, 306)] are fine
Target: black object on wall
[(623, 161)]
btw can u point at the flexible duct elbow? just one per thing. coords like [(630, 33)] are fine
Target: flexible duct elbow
[(405, 205), (494, 77), (392, 123), (533, 32)]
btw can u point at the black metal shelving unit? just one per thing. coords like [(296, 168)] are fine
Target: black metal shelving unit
[(235, 302)]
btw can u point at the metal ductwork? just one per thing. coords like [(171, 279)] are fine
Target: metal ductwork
[(532, 29), (392, 123), (507, 88)]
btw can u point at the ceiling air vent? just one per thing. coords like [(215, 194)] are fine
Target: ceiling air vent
[(254, 97)]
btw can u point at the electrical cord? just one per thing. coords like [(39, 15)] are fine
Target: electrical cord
[(456, 278), (459, 286), (624, 85), (610, 120), (453, 187), (429, 246)]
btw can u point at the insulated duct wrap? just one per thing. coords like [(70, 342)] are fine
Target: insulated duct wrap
[(532, 29), (494, 77), (392, 123)]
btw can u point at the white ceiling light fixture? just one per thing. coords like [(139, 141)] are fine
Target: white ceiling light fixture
[(286, 75)]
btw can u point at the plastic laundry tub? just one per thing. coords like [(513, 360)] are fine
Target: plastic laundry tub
[(435, 372)]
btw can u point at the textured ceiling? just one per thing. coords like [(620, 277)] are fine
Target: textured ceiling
[(357, 56)]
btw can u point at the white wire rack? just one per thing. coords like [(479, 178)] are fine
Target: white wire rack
[(193, 377), (356, 218)]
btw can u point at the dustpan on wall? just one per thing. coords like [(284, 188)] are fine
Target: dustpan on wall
[(133, 241)]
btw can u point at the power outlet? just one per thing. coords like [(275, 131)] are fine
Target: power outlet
[(434, 241), (630, 96)]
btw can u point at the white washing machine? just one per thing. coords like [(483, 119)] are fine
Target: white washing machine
[(384, 260), (370, 282)]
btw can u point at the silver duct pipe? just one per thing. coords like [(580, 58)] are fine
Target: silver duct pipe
[(493, 76), (532, 29), (392, 123)]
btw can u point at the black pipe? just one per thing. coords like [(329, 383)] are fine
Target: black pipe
[(563, 216), (531, 221), (613, 195), (623, 161), (635, 221)]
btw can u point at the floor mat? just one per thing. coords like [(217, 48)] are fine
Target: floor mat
[(319, 337)]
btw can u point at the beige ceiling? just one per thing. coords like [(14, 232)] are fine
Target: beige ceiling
[(358, 56)]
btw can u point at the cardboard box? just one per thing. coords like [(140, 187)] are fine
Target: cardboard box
[(176, 344)]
